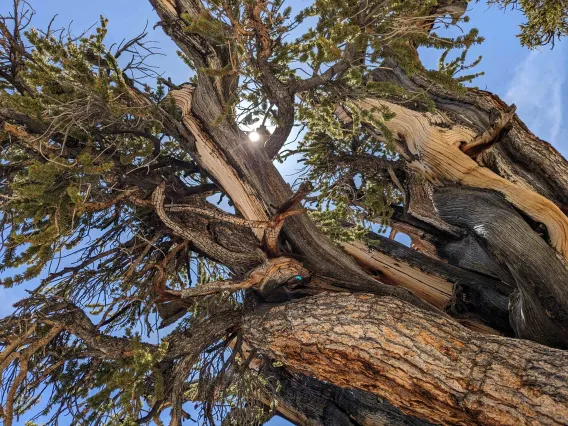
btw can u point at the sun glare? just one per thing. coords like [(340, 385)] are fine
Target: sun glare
[(254, 136)]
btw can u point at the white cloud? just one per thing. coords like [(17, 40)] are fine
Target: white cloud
[(536, 89)]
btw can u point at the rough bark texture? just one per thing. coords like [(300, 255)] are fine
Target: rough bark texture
[(307, 401), (425, 364), (432, 144), (461, 362)]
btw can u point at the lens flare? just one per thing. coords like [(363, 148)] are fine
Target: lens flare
[(254, 136)]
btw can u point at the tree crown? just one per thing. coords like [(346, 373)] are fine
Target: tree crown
[(97, 167)]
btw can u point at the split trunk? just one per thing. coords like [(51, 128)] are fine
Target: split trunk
[(488, 200)]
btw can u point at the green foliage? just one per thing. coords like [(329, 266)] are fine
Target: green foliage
[(332, 223), (55, 172), (205, 25), (77, 174), (348, 163), (547, 20), (126, 379), (452, 68), (342, 163)]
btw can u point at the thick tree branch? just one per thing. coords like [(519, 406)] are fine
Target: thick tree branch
[(539, 307), (498, 128), (435, 154), (201, 241), (425, 364)]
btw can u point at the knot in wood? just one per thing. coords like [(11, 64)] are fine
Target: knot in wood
[(277, 272)]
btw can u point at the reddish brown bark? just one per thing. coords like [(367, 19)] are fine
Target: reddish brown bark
[(423, 363)]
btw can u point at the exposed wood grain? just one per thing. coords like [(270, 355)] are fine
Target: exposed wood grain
[(466, 295), (212, 159), (435, 143), (519, 157), (431, 288), (539, 307), (246, 173)]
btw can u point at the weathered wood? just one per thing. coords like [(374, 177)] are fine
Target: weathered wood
[(434, 289), (201, 240), (539, 310), (440, 370), (273, 273), (451, 243), (212, 159), (307, 401), (467, 253), (420, 203), (519, 157), (431, 144), (252, 181), (458, 291), (423, 363)]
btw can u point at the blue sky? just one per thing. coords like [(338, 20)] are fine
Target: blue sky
[(536, 81)]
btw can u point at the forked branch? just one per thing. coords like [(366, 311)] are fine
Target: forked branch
[(266, 278)]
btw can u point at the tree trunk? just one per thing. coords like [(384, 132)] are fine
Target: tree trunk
[(431, 144), (424, 364), (250, 178), (435, 147), (306, 401)]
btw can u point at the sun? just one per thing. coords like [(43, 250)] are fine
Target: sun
[(254, 136)]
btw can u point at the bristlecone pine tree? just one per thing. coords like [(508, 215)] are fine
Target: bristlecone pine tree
[(138, 203)]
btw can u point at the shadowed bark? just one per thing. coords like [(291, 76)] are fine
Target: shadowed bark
[(538, 305), (307, 401)]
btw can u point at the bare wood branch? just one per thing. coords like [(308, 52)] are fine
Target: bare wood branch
[(200, 240), (265, 278), (495, 131)]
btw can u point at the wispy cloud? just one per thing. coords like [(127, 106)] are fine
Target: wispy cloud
[(536, 89)]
